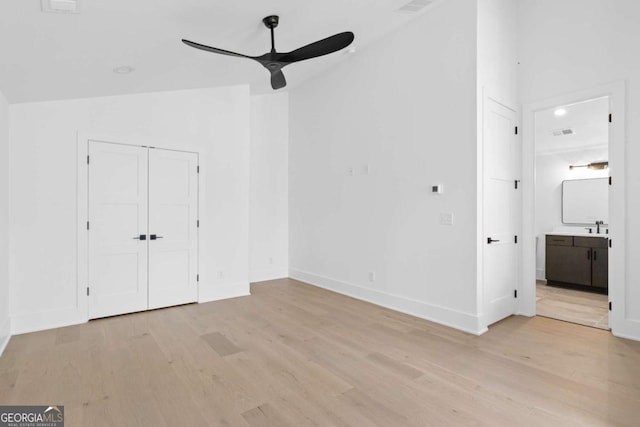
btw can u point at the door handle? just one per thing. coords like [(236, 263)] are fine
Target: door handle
[(589, 254), (594, 255), (154, 237), (490, 240), (141, 237)]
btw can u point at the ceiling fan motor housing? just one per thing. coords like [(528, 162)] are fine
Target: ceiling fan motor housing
[(271, 21)]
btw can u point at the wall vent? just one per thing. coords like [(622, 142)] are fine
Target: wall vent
[(61, 6), (415, 6), (563, 132)]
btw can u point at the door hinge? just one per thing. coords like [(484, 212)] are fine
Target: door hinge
[(515, 239), (87, 225), (609, 305), (516, 130), (609, 180), (517, 181), (515, 293), (197, 277), (198, 169), (87, 291), (87, 159), (609, 242), (610, 118), (198, 223)]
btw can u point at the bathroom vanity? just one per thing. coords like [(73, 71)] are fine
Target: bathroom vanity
[(577, 260)]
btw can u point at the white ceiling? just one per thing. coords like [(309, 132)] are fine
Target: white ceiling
[(47, 56), (588, 119)]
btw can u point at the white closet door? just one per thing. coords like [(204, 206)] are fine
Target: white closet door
[(117, 216), (173, 239), (501, 200)]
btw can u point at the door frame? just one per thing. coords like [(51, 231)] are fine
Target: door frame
[(82, 205), (617, 203)]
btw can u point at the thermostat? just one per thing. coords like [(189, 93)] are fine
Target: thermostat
[(437, 189)]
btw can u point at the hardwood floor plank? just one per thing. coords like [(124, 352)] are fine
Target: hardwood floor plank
[(221, 344), (263, 416)]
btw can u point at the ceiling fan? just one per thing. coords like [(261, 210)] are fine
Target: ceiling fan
[(275, 61)]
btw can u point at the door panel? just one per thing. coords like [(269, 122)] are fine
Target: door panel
[(600, 268), (501, 211), (568, 264), (117, 214), (173, 207)]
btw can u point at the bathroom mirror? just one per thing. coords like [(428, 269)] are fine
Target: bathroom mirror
[(585, 201)]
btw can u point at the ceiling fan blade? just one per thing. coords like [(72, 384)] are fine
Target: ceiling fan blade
[(277, 80), (320, 48), (214, 49)]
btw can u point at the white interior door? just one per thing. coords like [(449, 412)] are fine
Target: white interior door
[(173, 216), (117, 218), (501, 211)]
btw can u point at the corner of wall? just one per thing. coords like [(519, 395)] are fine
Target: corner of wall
[(5, 291)]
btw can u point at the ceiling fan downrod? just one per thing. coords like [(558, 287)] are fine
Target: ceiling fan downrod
[(271, 22)]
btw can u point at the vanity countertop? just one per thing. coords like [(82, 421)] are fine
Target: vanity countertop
[(574, 233)]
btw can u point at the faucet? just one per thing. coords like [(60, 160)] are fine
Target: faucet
[(598, 224)]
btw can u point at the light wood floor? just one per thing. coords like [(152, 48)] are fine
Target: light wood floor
[(570, 305), (292, 354)]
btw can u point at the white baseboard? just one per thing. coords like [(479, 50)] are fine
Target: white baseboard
[(445, 316), (217, 292), (24, 323), (270, 274), (5, 334)]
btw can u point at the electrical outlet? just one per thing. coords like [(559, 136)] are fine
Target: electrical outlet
[(366, 169), (372, 276), (220, 274), (271, 260), (446, 218)]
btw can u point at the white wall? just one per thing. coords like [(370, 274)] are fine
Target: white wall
[(551, 170), (269, 203), (497, 51), (574, 45), (215, 122), (5, 325), (367, 141)]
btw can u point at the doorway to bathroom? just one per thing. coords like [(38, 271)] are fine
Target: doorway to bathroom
[(571, 225)]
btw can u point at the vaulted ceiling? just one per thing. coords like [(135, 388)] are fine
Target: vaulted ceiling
[(47, 56)]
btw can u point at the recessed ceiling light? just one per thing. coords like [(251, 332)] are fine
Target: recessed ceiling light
[(125, 69), (560, 112)]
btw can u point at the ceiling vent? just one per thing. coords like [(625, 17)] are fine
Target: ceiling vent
[(415, 6), (563, 132), (61, 6)]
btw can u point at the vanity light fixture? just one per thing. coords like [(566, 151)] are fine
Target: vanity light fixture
[(592, 166), (560, 112)]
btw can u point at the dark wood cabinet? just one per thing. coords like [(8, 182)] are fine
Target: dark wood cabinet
[(577, 260)]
